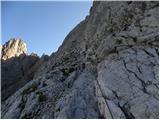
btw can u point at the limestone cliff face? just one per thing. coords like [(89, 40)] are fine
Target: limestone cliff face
[(107, 67), (13, 48)]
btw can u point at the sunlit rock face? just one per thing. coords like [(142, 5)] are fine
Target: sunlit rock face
[(107, 67), (13, 48)]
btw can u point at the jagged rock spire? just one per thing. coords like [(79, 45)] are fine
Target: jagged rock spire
[(14, 47)]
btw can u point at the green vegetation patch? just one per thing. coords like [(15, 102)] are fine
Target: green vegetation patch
[(30, 89), (41, 97), (66, 71)]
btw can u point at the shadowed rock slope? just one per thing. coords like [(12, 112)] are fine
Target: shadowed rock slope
[(17, 68), (107, 67)]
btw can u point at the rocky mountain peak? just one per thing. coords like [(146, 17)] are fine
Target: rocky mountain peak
[(13, 48), (17, 66)]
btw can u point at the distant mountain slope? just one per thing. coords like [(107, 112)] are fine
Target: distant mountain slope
[(16, 66)]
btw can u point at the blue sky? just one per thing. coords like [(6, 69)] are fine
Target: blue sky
[(42, 25)]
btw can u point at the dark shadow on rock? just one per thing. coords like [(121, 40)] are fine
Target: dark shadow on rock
[(17, 71)]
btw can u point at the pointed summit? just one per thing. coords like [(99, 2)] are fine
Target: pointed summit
[(13, 48)]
